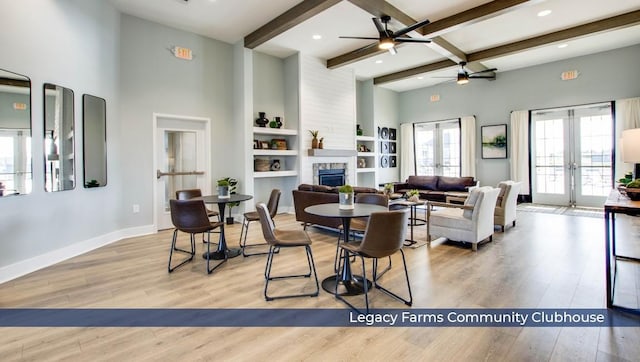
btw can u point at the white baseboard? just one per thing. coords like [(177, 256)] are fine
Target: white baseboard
[(30, 265)]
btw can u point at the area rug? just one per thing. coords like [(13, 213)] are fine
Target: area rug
[(595, 212)]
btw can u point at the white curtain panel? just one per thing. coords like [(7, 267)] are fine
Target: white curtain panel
[(468, 146), (627, 117), (520, 150), (407, 156)]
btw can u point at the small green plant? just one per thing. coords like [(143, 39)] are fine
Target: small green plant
[(223, 182), (346, 189), (314, 133), (413, 192), (634, 184), (388, 187)]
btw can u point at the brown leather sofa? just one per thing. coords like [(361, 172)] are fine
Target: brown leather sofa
[(307, 195), (435, 188)]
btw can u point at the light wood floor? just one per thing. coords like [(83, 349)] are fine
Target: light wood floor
[(546, 261)]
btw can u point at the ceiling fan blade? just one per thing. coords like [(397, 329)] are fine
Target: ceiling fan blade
[(379, 26), (485, 71), (482, 76), (411, 28), (357, 37), (412, 40), (366, 47)]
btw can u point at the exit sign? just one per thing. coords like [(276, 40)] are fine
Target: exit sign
[(182, 53)]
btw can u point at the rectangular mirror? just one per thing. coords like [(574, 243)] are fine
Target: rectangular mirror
[(94, 134), (15, 134), (59, 156)]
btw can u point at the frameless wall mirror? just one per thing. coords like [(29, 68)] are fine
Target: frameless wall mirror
[(59, 157), (94, 134), (15, 134)]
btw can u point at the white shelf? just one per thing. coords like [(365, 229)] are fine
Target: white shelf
[(363, 170), (275, 131), (366, 154), (365, 138), (275, 152), (266, 174)]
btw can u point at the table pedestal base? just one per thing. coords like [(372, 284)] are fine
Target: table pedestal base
[(219, 255), (354, 286)]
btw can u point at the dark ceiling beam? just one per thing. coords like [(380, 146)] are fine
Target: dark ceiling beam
[(378, 8), (407, 73), (287, 20), (437, 28), (615, 22), (608, 24)]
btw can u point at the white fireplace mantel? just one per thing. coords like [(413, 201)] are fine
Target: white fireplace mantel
[(323, 152)]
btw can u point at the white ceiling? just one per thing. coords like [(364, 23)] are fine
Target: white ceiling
[(231, 20)]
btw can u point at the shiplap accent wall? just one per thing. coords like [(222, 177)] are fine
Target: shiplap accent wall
[(327, 104)]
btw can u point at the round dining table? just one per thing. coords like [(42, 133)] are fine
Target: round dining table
[(345, 283), (223, 252)]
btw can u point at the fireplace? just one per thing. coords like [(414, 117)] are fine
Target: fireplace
[(331, 177), (331, 173)]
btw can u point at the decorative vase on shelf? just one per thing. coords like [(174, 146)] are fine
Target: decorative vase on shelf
[(320, 143), (275, 123), (262, 120), (314, 143), (358, 130)]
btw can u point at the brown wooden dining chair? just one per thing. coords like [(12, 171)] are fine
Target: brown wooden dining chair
[(359, 224), (189, 194), (272, 205), (282, 239), (383, 237), (190, 216)]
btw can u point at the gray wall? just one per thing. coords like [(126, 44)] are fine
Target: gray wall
[(385, 112), (153, 80), (82, 54), (603, 77)]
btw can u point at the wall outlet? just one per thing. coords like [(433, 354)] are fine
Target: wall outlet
[(136, 208)]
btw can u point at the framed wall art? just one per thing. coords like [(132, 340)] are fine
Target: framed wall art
[(494, 141)]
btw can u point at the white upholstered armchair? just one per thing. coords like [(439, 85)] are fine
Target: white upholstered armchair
[(507, 202), (471, 222)]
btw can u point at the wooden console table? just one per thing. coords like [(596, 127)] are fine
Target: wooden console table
[(616, 204)]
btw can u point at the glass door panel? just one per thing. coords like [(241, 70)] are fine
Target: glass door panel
[(573, 150), (437, 147)]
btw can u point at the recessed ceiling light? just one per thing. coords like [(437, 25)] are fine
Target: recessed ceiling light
[(544, 13), (379, 61), (317, 36), (420, 77), (563, 45)]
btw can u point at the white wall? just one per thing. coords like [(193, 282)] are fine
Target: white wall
[(327, 104), (603, 77), (74, 44), (153, 80)]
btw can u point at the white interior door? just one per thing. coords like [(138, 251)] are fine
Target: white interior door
[(572, 150), (181, 159)]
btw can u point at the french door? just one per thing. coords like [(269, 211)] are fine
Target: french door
[(437, 148), (181, 160), (572, 148)]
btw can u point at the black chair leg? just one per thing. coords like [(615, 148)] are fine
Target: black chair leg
[(243, 240), (191, 253), (267, 274), (408, 302)]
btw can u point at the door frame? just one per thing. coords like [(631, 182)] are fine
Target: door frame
[(207, 156)]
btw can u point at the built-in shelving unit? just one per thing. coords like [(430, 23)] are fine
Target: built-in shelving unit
[(366, 160), (287, 159)]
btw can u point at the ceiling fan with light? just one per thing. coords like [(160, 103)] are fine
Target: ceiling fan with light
[(464, 76), (388, 39)]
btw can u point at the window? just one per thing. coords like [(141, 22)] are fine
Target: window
[(437, 148)]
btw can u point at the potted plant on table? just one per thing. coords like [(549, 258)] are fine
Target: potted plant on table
[(388, 189), (223, 189), (231, 184), (346, 197), (633, 190), (413, 195)]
